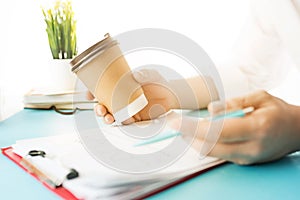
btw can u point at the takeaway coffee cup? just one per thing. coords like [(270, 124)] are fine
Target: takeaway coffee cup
[(105, 72)]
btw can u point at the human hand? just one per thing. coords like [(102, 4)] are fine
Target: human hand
[(271, 131), (160, 98)]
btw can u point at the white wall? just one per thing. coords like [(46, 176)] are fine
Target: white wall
[(25, 54)]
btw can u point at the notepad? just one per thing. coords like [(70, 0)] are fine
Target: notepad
[(96, 181)]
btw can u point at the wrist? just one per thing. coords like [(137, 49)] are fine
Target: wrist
[(173, 99), (295, 117), (192, 93)]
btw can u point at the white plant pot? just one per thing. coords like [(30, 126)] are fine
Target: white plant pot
[(60, 76), (1, 104)]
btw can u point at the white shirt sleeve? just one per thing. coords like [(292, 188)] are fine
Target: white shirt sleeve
[(269, 40)]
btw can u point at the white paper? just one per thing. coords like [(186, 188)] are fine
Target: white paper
[(98, 181)]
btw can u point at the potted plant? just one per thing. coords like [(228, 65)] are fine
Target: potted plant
[(61, 31)]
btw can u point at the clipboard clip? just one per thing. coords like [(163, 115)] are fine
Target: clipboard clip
[(64, 112), (41, 173)]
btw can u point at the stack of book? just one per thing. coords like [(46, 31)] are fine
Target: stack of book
[(59, 100)]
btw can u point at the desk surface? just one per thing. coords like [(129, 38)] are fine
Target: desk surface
[(277, 180)]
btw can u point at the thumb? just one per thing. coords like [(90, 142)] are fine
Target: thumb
[(189, 127), (216, 107), (89, 96), (148, 76), (254, 99), (202, 134)]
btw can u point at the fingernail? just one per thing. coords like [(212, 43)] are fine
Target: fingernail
[(107, 119), (99, 111), (218, 104), (216, 107), (128, 121)]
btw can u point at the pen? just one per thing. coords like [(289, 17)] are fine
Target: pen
[(168, 135), (233, 114)]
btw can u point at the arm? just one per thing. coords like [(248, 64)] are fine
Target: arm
[(162, 95), (193, 93)]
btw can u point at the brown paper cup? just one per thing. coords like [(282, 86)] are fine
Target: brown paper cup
[(105, 72)]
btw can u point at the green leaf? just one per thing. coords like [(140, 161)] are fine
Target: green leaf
[(61, 29)]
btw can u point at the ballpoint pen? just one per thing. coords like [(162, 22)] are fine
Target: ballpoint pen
[(171, 134)]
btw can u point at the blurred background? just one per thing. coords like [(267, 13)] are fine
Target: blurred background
[(25, 53)]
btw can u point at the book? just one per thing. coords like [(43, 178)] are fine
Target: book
[(95, 180), (59, 100)]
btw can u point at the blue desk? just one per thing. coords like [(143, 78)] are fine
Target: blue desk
[(277, 180)]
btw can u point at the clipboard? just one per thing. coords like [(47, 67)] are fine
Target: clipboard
[(60, 191), (65, 194)]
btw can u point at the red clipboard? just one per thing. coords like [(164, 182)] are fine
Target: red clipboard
[(65, 194), (60, 191)]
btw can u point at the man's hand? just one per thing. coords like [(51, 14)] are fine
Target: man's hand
[(160, 98), (271, 131)]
